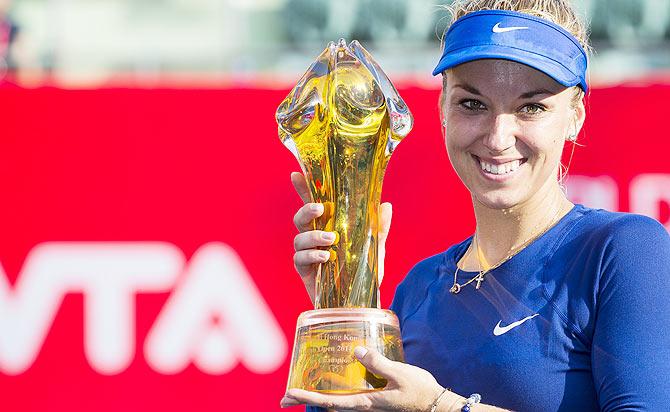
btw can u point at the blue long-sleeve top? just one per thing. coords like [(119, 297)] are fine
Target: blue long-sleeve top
[(578, 320)]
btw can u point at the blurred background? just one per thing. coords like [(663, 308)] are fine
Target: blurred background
[(89, 43), (146, 209)]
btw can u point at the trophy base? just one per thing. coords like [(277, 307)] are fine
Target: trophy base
[(323, 353)]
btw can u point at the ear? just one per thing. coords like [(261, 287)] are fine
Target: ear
[(580, 116), (441, 103), (441, 109)]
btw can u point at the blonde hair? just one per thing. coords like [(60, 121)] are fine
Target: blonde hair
[(560, 12)]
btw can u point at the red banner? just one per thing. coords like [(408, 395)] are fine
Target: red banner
[(146, 243)]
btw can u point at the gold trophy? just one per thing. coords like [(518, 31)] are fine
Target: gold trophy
[(342, 122)]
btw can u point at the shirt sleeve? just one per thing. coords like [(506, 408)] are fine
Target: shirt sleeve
[(631, 342)]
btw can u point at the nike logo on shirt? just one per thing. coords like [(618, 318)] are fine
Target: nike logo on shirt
[(498, 330), (498, 29)]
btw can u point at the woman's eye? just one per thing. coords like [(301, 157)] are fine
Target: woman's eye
[(532, 109), (471, 104)]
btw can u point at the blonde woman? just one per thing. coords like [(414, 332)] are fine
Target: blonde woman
[(549, 305)]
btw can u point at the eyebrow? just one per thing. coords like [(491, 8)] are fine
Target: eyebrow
[(534, 93), (468, 88), (527, 95)]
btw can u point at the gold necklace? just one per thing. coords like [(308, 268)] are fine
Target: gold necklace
[(479, 278)]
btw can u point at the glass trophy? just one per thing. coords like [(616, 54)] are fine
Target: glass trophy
[(342, 121)]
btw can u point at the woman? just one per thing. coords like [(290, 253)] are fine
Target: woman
[(549, 305)]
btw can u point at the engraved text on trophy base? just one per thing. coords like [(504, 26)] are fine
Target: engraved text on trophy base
[(324, 358)]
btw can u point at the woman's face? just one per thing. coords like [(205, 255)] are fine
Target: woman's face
[(506, 124)]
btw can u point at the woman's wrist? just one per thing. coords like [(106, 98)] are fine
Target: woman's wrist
[(457, 403), (449, 401)]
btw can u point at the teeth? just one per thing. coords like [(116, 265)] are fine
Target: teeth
[(500, 169)]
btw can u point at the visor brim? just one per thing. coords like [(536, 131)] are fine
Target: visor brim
[(550, 67)]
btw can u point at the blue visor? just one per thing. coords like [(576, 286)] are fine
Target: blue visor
[(510, 35)]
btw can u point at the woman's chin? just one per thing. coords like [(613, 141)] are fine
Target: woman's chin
[(497, 201)]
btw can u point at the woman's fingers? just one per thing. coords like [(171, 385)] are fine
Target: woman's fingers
[(300, 185), (385, 216), (304, 259), (373, 361), (305, 216), (349, 402), (313, 239), (286, 402), (376, 363)]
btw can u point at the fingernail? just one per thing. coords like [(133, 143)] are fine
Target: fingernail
[(328, 236), (324, 255), (360, 352), (286, 402), (316, 207)]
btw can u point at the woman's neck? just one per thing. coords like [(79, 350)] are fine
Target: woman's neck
[(500, 232)]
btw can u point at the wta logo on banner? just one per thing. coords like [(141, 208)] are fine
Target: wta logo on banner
[(214, 284), (649, 194)]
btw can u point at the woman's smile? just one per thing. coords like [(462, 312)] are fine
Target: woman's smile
[(498, 170), (506, 124)]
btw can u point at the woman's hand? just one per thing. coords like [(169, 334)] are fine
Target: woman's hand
[(409, 389), (308, 255)]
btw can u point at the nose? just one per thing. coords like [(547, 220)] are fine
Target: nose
[(502, 134)]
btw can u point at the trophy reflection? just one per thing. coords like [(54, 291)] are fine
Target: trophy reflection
[(342, 122)]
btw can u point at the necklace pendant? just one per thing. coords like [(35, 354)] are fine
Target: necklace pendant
[(480, 279), (455, 289)]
